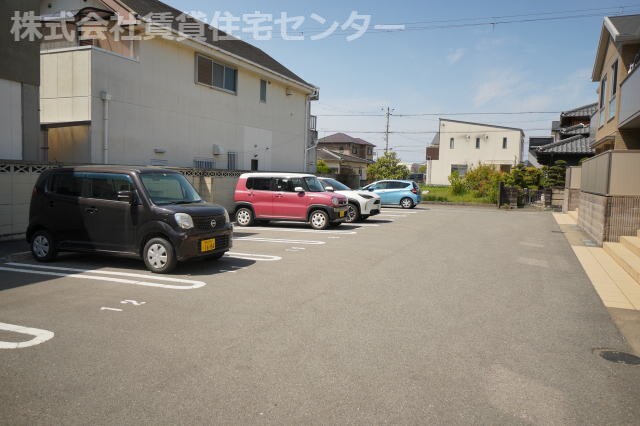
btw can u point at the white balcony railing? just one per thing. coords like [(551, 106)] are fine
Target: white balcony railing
[(630, 100), (612, 108)]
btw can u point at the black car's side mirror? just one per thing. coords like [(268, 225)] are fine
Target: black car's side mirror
[(126, 196)]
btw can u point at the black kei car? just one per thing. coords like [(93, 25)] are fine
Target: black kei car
[(149, 213)]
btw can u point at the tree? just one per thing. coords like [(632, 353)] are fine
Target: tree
[(388, 167), (322, 168), (556, 174)]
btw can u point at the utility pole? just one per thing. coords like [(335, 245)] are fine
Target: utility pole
[(386, 133)]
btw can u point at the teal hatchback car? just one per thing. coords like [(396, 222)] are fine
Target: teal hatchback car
[(403, 193)]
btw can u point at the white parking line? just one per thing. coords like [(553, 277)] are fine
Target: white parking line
[(308, 231), (95, 275), (363, 224), (39, 336), (279, 240), (251, 256), (391, 215)]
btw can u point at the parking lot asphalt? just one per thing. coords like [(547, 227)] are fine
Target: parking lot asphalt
[(437, 315)]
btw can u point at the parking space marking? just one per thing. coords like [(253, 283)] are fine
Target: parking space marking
[(391, 215), (280, 240), (363, 224), (308, 231), (110, 309), (95, 275), (252, 256), (39, 336)]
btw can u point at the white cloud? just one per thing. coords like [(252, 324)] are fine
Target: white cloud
[(455, 56), (500, 85)]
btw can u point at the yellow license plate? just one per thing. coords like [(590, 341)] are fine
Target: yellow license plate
[(207, 245), (342, 213)]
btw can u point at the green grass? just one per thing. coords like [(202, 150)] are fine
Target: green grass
[(443, 194)]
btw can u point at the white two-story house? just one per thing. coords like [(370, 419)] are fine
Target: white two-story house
[(176, 101), (460, 146)]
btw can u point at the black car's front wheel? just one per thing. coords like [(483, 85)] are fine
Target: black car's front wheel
[(159, 256), (43, 246)]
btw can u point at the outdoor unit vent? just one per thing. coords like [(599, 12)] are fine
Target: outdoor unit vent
[(204, 163), (468, 137), (486, 137), (216, 150)]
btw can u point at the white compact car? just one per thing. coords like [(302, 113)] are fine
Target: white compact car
[(362, 204)]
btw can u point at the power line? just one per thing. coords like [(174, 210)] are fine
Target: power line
[(487, 21), (424, 132), (613, 9), (435, 114)]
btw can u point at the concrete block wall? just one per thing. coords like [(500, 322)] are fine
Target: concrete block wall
[(571, 200), (592, 217), (16, 184), (607, 218)]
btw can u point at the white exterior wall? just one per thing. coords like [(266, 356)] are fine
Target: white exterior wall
[(156, 105), (10, 120), (465, 152)]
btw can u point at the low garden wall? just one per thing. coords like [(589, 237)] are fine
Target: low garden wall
[(18, 178)]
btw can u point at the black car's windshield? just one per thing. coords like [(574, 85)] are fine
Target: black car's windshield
[(337, 186), (313, 184), (169, 188)]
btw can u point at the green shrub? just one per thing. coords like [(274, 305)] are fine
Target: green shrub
[(458, 184)]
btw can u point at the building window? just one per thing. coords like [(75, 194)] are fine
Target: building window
[(461, 169), (603, 99), (216, 75), (204, 163), (614, 79), (504, 143), (254, 165), (354, 150), (370, 151), (231, 160), (477, 143), (452, 143), (614, 90), (263, 91)]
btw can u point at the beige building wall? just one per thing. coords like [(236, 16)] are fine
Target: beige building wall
[(157, 113), (607, 128), (465, 153), (10, 120)]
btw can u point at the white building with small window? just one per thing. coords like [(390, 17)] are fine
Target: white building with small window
[(179, 100), (460, 146)]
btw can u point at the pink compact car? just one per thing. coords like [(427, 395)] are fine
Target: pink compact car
[(260, 197)]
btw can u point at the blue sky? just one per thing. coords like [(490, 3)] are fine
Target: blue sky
[(537, 66)]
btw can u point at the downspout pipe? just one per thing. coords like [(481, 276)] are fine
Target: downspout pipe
[(307, 114), (106, 97)]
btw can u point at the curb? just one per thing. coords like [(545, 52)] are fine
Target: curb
[(439, 203)]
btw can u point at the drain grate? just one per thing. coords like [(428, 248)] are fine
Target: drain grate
[(617, 357)]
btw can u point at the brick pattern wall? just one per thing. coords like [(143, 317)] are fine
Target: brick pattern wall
[(572, 200), (591, 219), (607, 219), (624, 217)]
